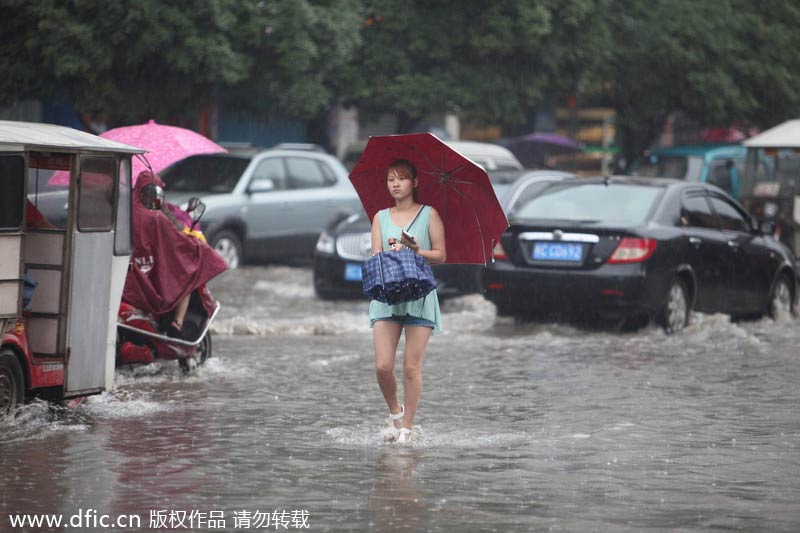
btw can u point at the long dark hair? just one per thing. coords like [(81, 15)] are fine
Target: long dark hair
[(405, 168)]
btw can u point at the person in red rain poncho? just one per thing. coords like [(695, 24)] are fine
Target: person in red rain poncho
[(166, 264)]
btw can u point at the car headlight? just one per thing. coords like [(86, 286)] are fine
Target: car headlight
[(326, 243)]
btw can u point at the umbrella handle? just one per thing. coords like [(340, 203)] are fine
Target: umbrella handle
[(380, 268)]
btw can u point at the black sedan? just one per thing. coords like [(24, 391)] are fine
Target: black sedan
[(621, 247), (343, 248), (346, 244)]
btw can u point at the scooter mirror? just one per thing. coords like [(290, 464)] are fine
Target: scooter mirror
[(197, 213), (194, 201)]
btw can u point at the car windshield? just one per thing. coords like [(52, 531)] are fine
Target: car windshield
[(588, 203), (205, 174), (680, 167)]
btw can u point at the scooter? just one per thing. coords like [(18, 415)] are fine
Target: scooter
[(142, 337)]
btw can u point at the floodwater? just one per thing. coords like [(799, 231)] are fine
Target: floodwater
[(526, 427)]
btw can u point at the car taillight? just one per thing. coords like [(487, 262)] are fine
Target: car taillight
[(633, 250), (498, 253)]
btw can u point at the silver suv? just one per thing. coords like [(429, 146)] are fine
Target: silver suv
[(271, 205)]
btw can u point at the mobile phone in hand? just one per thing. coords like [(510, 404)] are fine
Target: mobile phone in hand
[(410, 238)]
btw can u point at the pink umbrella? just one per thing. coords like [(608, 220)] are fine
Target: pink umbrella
[(164, 144)]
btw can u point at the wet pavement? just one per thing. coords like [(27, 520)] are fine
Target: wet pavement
[(526, 427)]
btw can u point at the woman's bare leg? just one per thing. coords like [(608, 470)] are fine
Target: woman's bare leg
[(386, 337), (416, 342), (180, 310)]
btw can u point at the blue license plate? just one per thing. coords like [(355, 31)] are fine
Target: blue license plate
[(352, 271), (558, 251)]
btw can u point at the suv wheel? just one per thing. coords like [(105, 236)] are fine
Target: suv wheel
[(228, 245)]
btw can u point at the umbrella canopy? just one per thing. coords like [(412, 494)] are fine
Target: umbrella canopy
[(449, 182), (722, 135), (164, 144), (533, 149)]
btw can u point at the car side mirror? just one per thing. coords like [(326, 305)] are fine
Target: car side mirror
[(261, 185), (767, 227)]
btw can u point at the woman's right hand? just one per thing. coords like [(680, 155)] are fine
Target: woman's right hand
[(395, 246)]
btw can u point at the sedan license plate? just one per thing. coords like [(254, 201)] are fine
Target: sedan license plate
[(352, 271), (558, 251)]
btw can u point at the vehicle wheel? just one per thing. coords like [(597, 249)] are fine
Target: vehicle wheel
[(780, 300), (204, 350), (324, 294), (12, 384), (675, 315), (320, 290), (228, 245), (505, 309), (203, 354)]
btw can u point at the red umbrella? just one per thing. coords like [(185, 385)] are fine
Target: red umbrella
[(456, 187)]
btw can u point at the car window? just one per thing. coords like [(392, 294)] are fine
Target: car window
[(590, 203), (206, 174), (719, 174), (273, 169), (729, 217), (524, 194), (304, 173), (697, 213), (330, 177)]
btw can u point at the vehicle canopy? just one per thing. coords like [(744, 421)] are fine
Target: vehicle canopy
[(771, 185), (773, 160), (786, 135), (719, 164), (70, 242)]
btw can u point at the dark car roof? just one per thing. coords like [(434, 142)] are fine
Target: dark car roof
[(221, 156), (630, 180), (671, 190)]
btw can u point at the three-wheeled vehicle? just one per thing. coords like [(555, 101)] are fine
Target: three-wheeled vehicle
[(64, 254), (771, 184)]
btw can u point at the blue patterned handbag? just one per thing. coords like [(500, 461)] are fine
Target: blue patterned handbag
[(397, 277)]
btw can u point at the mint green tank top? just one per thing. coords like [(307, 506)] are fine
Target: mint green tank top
[(426, 307)]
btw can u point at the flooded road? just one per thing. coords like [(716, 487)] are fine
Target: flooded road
[(526, 427)]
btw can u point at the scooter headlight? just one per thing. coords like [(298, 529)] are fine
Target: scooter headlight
[(326, 243), (770, 209)]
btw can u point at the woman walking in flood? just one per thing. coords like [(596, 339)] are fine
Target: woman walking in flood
[(419, 318)]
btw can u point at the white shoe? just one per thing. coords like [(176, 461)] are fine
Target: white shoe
[(409, 436), (390, 432)]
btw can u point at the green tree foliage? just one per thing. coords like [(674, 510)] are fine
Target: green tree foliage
[(299, 50), (130, 59), (719, 61), (490, 60)]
